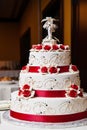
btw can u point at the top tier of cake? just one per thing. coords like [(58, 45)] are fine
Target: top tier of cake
[(49, 52), (50, 55)]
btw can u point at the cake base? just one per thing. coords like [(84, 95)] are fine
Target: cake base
[(6, 117)]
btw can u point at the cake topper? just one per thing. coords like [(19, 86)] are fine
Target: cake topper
[(50, 27)]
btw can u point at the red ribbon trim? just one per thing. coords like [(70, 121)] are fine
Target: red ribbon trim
[(49, 93), (48, 118), (36, 69)]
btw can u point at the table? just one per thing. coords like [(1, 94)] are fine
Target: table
[(4, 125), (7, 88), (10, 73)]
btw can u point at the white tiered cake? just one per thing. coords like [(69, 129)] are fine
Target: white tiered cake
[(49, 84)]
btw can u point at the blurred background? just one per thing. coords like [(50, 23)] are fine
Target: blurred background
[(20, 27)]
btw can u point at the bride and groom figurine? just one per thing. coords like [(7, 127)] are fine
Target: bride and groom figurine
[(50, 27)]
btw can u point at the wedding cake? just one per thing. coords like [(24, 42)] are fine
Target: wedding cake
[(49, 85)]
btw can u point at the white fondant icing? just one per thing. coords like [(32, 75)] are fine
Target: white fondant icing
[(49, 106), (49, 81), (40, 58)]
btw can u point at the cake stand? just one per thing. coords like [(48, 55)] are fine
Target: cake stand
[(6, 117)]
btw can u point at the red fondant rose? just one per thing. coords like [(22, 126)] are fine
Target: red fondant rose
[(53, 70), (62, 47), (26, 86), (47, 47), (44, 69), (73, 93), (74, 68), (55, 47), (26, 93), (39, 47), (74, 87)]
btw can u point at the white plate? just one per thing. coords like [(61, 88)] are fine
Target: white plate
[(8, 82), (5, 104)]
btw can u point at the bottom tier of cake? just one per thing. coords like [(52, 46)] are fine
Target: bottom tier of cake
[(40, 109)]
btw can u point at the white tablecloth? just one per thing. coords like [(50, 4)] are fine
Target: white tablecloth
[(6, 89)]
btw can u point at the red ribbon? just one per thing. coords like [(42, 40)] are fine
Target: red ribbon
[(49, 118), (35, 69), (49, 93)]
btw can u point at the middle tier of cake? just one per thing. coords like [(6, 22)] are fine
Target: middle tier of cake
[(39, 81)]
